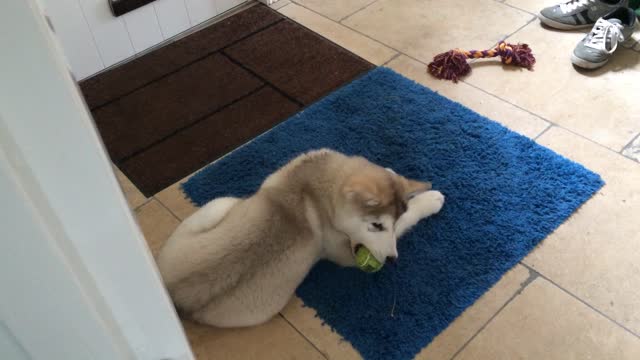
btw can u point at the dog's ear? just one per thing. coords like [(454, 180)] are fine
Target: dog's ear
[(412, 188), (362, 190)]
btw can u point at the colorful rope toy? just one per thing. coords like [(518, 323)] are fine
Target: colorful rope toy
[(453, 64)]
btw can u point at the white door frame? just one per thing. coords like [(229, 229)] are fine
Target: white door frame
[(77, 278)]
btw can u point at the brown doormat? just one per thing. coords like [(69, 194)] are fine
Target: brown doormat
[(168, 113)]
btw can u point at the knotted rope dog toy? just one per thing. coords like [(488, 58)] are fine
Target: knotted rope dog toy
[(453, 64)]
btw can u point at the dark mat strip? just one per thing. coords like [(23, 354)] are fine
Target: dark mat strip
[(182, 154), (127, 78), (298, 61), (157, 110), (192, 124), (258, 76)]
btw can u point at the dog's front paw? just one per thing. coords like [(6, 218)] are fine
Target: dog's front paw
[(428, 203)]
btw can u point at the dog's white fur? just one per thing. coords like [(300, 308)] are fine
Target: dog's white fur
[(236, 262)]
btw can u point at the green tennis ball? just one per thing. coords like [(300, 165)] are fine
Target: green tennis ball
[(366, 261)]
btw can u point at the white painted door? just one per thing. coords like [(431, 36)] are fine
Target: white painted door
[(76, 277), (93, 39)]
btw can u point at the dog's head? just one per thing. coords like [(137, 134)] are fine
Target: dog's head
[(371, 201)]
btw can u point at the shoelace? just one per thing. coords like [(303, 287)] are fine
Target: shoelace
[(571, 5), (601, 31)]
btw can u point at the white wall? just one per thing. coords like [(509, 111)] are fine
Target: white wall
[(43, 306), (93, 39), (77, 280)]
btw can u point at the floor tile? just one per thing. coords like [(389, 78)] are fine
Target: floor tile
[(327, 341), (176, 201), (445, 345), (302, 58), (335, 10), (506, 114), (131, 193), (600, 105), (532, 6), (125, 78), (422, 29), (209, 139), (595, 253), (156, 223), (633, 150), (275, 340), (545, 322), (362, 46)]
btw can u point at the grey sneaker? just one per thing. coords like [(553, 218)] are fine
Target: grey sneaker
[(576, 14), (597, 47)]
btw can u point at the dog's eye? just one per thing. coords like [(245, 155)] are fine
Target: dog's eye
[(376, 227)]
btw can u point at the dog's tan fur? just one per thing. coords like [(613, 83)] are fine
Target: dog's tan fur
[(236, 262)]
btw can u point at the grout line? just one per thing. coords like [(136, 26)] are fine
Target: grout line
[(357, 11), (508, 102), (543, 118), (354, 30), (191, 124), (520, 28), (282, 7), (324, 355), (532, 276), (503, 2), (126, 28), (186, 10), (547, 120), (591, 141), (535, 138), (166, 208), (361, 33), (145, 202), (259, 77), (531, 269), (206, 55), (397, 55), (629, 144), (495, 44), (93, 37), (155, 12)]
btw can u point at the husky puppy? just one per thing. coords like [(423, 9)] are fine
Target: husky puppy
[(237, 262)]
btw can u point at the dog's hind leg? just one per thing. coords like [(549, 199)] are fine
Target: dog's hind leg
[(419, 207), (208, 216), (182, 253)]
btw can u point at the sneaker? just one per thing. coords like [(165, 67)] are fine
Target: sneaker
[(596, 48), (576, 14)]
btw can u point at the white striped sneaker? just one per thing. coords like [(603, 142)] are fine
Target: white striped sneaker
[(576, 14)]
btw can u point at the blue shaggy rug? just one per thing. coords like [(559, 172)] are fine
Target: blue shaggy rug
[(504, 194)]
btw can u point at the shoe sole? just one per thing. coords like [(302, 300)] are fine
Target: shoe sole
[(558, 25), (585, 64)]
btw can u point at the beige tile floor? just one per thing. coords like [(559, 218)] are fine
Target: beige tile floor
[(577, 296)]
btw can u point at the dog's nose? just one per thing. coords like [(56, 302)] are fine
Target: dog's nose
[(391, 259)]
